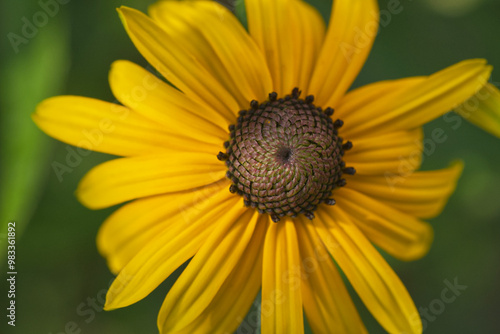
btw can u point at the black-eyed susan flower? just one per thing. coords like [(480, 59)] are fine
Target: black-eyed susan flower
[(256, 163)]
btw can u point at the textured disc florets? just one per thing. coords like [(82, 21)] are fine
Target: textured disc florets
[(285, 156)]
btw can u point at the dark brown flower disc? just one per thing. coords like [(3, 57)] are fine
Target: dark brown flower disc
[(285, 156)]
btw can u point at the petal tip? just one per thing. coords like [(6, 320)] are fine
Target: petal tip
[(82, 196), (458, 165), (421, 248)]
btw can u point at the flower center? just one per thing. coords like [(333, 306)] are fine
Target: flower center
[(285, 156)]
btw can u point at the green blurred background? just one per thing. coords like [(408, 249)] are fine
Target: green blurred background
[(62, 279)]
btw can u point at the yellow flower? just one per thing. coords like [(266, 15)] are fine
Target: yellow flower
[(202, 192)]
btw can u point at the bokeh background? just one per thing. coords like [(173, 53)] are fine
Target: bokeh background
[(62, 280)]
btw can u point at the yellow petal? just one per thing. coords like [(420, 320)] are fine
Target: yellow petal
[(234, 298), (421, 101), (394, 153), (421, 194), (121, 180), (134, 225), (375, 282), (170, 249), (176, 64), (281, 306), (290, 34), (244, 284), (401, 235), (107, 127), (327, 303), (198, 288), (356, 103), (149, 96), (216, 39), (483, 109), (351, 32)]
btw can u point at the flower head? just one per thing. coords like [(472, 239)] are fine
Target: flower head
[(256, 163)]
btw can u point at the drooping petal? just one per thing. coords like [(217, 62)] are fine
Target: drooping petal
[(236, 295), (351, 32), (109, 128), (198, 284), (327, 303), (152, 98), (377, 285), (483, 109), (281, 306), (216, 39), (420, 102), (124, 179), (176, 64), (393, 154), (421, 194), (213, 293), (244, 283), (290, 34), (134, 225), (401, 235), (170, 249)]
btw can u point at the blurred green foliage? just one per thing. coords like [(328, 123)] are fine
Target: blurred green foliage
[(28, 77), (62, 279)]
